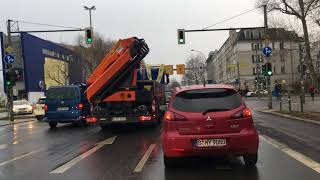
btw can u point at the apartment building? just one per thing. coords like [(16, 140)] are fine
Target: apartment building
[(239, 59)]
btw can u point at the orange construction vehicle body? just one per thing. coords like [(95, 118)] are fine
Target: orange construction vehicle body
[(117, 66)]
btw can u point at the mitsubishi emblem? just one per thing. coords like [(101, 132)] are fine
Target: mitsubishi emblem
[(208, 119)]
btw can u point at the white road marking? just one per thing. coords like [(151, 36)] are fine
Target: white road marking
[(76, 160), (3, 146), (294, 154), (19, 157), (144, 159)]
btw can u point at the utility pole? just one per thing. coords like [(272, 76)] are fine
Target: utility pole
[(258, 70), (269, 77), (9, 68)]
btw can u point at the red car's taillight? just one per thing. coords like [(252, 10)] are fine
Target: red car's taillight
[(171, 116), (45, 107), (245, 113), (80, 106)]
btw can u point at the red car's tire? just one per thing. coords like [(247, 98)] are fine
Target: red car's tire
[(250, 160)]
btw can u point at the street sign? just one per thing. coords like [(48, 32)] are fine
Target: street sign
[(8, 59), (9, 49), (180, 69), (267, 51), (168, 69)]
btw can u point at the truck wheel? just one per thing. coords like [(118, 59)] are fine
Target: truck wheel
[(53, 125)]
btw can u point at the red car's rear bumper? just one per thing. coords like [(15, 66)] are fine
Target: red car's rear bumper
[(176, 145)]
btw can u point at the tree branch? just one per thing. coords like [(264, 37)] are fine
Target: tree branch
[(313, 4), (293, 11)]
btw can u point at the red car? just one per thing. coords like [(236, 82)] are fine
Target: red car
[(210, 120)]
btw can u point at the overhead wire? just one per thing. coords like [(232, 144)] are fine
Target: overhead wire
[(49, 25), (231, 18)]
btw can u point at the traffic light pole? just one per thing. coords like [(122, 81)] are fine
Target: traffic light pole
[(9, 68)]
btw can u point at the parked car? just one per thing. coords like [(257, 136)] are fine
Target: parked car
[(22, 107), (262, 92), (39, 108), (66, 104), (251, 94), (209, 120)]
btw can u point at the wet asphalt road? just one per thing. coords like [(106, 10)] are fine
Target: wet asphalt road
[(33, 151)]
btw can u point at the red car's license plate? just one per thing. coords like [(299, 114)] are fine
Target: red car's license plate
[(210, 142)]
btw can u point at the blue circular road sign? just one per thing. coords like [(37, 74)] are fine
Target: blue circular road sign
[(267, 51), (8, 59)]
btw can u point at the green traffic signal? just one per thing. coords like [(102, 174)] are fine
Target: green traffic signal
[(8, 83), (181, 36), (89, 40), (269, 73)]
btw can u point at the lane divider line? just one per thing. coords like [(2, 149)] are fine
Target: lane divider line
[(294, 154), (3, 146), (63, 168), (144, 159), (19, 157)]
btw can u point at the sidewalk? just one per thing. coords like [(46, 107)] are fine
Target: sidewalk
[(311, 109)]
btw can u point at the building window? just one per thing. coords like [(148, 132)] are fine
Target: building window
[(282, 57), (281, 45), (274, 70), (273, 45), (256, 46), (254, 71), (255, 34), (283, 69), (247, 34), (256, 58)]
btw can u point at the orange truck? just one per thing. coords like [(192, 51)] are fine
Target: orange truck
[(121, 91)]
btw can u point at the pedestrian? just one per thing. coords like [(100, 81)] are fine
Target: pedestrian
[(312, 91), (246, 90)]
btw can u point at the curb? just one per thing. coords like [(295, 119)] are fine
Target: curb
[(19, 122), (288, 116)]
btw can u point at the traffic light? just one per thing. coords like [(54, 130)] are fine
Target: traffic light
[(181, 36), (269, 69), (89, 35), (8, 79), (264, 69)]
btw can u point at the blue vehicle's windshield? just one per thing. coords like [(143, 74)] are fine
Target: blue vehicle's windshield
[(63, 93)]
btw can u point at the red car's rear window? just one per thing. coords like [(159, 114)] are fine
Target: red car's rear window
[(201, 100)]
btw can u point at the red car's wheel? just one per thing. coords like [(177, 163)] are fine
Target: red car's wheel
[(250, 160)]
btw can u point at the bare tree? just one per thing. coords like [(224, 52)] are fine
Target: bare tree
[(300, 9), (195, 73), (93, 55)]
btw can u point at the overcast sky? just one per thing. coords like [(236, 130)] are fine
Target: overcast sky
[(156, 21)]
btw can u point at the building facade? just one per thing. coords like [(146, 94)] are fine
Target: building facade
[(40, 64), (239, 60)]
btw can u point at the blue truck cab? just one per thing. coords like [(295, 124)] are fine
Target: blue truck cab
[(66, 104)]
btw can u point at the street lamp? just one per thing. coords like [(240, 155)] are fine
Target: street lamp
[(204, 56), (90, 9)]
